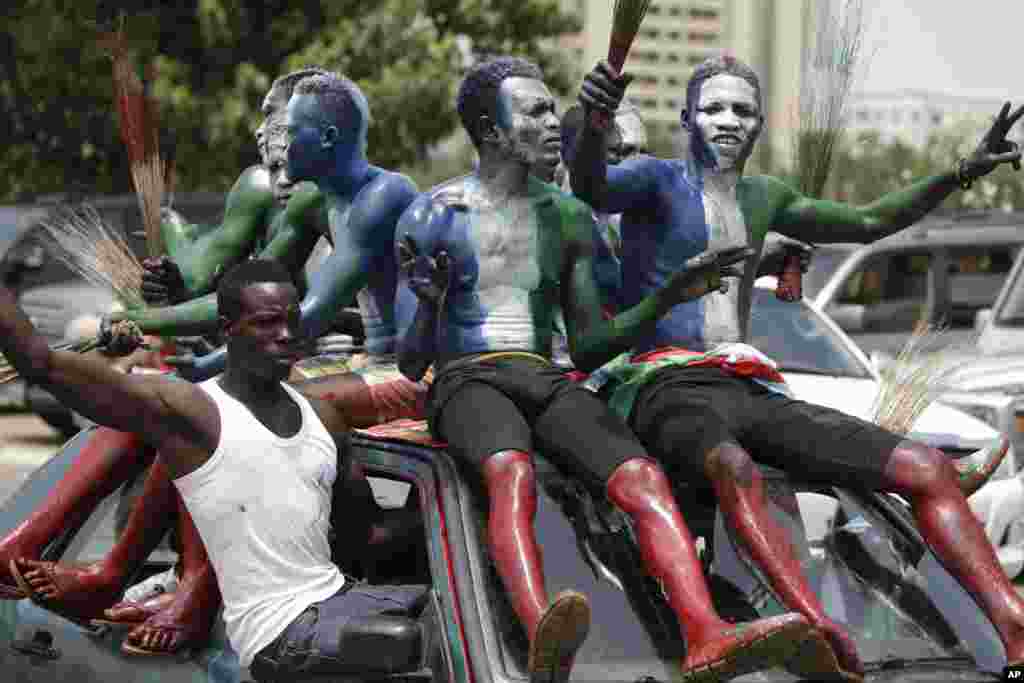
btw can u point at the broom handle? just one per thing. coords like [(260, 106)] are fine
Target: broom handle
[(617, 51)]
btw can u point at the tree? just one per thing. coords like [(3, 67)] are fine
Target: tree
[(214, 60)]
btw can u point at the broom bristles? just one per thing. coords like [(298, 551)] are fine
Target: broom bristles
[(140, 131), (919, 374), (830, 68)]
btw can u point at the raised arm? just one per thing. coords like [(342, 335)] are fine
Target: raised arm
[(594, 340), (296, 231), (424, 277), (162, 411), (359, 247), (245, 221), (611, 189), (822, 221)]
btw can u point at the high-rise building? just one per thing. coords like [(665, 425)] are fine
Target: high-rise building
[(770, 35)]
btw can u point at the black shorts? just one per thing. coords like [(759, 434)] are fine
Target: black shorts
[(683, 413), (483, 407)]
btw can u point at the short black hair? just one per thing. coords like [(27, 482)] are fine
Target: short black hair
[(250, 272), (714, 66), (478, 93), (343, 103)]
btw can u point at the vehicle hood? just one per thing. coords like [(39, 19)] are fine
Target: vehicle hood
[(1000, 373), (856, 396)]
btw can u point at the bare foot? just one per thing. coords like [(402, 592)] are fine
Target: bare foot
[(130, 613), (185, 621), (739, 649), (75, 591)]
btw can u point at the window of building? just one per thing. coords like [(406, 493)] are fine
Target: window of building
[(649, 103), (654, 10), (651, 33), (672, 104), (694, 60), (672, 81), (702, 37), (672, 58), (703, 13), (675, 11)]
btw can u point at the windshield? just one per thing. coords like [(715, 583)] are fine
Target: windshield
[(795, 337), (895, 600)]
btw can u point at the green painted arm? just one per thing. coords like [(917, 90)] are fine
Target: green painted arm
[(296, 231), (594, 341), (245, 221), (821, 221), (198, 316)]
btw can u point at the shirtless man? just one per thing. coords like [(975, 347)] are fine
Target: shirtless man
[(680, 390), (515, 251), (254, 462), (363, 213)]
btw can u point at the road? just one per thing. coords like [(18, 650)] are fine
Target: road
[(25, 442)]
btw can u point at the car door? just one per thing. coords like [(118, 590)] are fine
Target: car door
[(37, 645)]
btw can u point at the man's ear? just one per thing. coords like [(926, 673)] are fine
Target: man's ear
[(329, 136), (684, 118), (487, 129)]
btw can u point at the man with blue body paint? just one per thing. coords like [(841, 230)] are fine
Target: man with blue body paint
[(487, 262), (687, 389)]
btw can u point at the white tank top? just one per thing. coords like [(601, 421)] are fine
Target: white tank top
[(262, 506)]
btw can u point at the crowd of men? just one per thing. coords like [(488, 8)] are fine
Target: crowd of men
[(644, 266)]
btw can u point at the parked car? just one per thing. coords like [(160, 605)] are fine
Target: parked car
[(940, 271)]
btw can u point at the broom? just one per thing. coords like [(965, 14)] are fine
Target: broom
[(98, 254), (829, 68), (626, 19), (140, 132)]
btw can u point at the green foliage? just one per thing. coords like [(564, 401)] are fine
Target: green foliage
[(214, 60)]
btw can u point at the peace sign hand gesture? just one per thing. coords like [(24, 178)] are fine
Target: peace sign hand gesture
[(428, 277), (994, 148)]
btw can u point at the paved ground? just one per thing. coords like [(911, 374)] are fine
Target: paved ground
[(25, 443)]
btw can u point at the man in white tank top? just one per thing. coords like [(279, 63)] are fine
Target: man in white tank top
[(254, 462)]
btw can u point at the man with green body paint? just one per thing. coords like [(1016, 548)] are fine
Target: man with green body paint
[(709, 405)]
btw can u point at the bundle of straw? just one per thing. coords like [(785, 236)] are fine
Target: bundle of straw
[(140, 132), (81, 240), (99, 254), (626, 19), (912, 381), (829, 71)]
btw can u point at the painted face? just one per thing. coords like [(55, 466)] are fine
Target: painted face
[(266, 336), (528, 125), (272, 126), (628, 138), (727, 119), (276, 162), (305, 151)]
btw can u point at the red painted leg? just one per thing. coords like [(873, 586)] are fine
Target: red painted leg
[(83, 591), (930, 482), (740, 491), (185, 620), (106, 461), (716, 650)]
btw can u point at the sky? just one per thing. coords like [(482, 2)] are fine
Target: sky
[(947, 46)]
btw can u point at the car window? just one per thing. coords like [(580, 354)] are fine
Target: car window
[(892, 288), (826, 260), (795, 337), (976, 275), (98, 535)]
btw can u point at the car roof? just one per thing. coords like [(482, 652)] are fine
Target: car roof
[(953, 233)]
